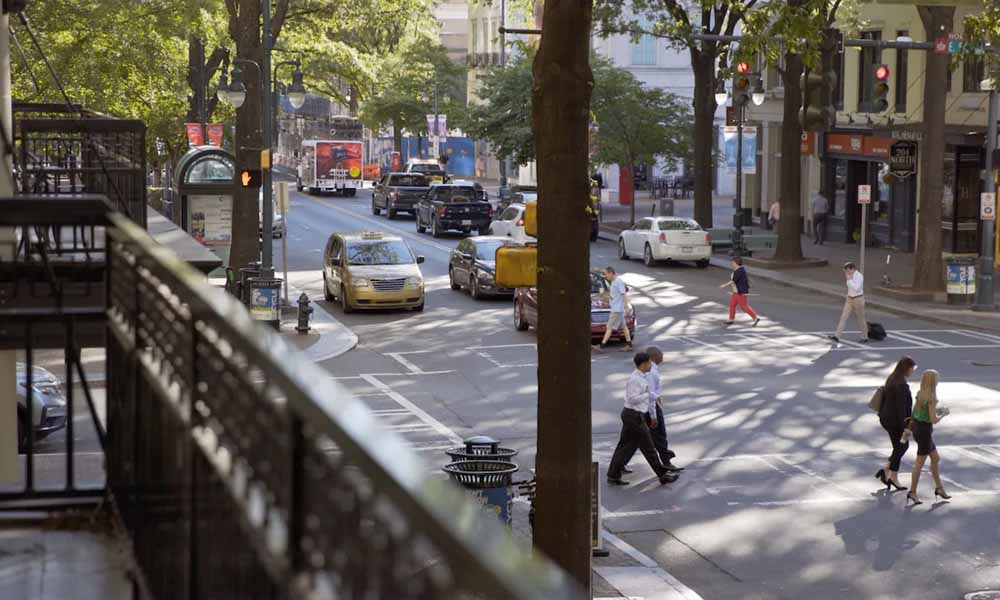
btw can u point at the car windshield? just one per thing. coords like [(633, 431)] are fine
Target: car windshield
[(679, 225), (598, 284), (388, 252), (415, 180), (428, 169), (458, 195), (528, 197), (488, 250)]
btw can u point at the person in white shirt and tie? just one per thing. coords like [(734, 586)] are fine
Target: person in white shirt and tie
[(654, 418), (635, 432), (855, 302)]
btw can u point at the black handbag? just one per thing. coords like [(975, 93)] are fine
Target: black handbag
[(876, 332)]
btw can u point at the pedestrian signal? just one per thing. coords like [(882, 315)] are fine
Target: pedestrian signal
[(249, 178)]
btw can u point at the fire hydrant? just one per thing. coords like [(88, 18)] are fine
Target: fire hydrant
[(303, 313)]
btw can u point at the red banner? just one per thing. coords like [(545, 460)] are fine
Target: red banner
[(196, 136), (215, 134)]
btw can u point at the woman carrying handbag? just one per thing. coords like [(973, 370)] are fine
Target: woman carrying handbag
[(925, 415), (897, 404)]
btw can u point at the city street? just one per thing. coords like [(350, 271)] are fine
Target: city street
[(778, 499)]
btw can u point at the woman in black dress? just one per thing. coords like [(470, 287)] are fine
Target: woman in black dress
[(897, 405)]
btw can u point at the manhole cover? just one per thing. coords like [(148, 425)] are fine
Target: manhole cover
[(984, 595)]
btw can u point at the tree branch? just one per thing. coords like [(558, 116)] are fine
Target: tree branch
[(833, 13), (278, 18)]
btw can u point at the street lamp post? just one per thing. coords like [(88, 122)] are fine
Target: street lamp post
[(740, 99), (984, 289)]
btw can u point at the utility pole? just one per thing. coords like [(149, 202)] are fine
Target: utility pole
[(506, 167), (738, 200), (435, 147), (984, 288)]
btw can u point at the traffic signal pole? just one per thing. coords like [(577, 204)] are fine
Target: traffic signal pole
[(984, 288), (267, 210)]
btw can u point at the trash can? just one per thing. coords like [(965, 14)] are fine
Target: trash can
[(265, 299), (489, 482), (961, 279), (246, 273), (481, 447)]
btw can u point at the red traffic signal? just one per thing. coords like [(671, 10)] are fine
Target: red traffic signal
[(882, 72), (743, 67)]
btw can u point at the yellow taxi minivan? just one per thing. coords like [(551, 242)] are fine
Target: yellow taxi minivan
[(370, 270)]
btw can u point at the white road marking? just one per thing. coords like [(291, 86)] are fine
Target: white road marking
[(624, 578), (382, 226), (813, 474), (413, 408), (977, 457), (978, 335), (398, 357), (639, 513), (535, 346), (349, 377)]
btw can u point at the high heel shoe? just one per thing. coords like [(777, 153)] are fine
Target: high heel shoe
[(880, 475), (940, 492), (889, 484), (910, 496)]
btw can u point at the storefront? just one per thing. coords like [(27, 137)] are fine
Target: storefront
[(963, 164), (854, 159)]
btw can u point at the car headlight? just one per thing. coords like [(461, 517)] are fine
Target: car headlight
[(484, 274), (414, 283), (360, 282)]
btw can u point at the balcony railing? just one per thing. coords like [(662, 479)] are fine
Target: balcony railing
[(237, 468)]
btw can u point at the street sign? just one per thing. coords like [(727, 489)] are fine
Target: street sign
[(954, 43), (903, 159), (941, 46), (864, 194), (988, 206)]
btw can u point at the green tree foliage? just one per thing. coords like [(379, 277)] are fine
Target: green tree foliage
[(983, 31), (503, 117)]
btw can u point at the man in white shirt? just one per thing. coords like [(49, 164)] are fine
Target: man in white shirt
[(654, 414), (616, 319), (855, 302), (635, 432)]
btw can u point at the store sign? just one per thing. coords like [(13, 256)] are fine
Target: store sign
[(859, 145), (941, 46), (988, 206), (903, 159), (877, 147), (864, 194)]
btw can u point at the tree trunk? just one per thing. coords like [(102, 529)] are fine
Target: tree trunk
[(703, 63), (196, 80), (927, 265), (630, 179), (561, 107), (249, 138), (397, 136), (789, 225)]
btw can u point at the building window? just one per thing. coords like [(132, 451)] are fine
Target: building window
[(866, 72), (902, 81), (973, 73), (644, 51)]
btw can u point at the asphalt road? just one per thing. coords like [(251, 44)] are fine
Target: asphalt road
[(778, 500)]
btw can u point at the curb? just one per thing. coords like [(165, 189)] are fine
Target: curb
[(870, 300), (335, 339)]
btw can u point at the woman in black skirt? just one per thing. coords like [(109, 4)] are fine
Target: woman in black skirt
[(897, 404), (925, 415)]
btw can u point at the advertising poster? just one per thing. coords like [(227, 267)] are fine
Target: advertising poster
[(338, 160), (730, 135), (196, 137), (215, 134), (264, 304), (211, 219)]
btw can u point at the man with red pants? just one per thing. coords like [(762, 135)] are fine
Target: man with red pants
[(740, 284)]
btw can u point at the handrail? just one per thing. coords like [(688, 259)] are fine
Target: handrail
[(311, 514)]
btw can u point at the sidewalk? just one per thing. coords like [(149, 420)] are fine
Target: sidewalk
[(887, 273)]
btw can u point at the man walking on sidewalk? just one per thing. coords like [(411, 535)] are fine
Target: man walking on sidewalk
[(820, 208), (616, 319), (635, 433), (654, 416), (855, 302), (740, 284)]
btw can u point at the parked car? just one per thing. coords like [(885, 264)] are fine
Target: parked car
[(431, 168), (372, 270), (526, 308), (473, 266), (399, 192), (510, 223), (666, 238), (507, 194), (449, 206), (48, 405)]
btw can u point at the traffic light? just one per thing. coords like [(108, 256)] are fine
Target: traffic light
[(249, 178), (880, 89), (818, 111), (741, 84)]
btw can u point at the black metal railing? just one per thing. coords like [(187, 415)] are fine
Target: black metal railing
[(241, 470)]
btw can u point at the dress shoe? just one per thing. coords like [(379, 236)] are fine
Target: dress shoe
[(618, 481), (667, 478), (671, 468), (626, 470)]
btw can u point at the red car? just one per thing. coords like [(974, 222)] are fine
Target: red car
[(526, 308)]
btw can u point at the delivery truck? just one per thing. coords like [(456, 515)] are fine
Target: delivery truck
[(331, 166)]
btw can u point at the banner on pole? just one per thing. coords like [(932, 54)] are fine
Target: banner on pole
[(196, 137), (215, 134), (731, 136)]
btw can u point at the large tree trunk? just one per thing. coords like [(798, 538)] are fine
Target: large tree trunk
[(789, 225), (703, 63), (397, 136), (202, 99), (560, 118), (927, 266)]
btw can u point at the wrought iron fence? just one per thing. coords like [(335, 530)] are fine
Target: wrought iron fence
[(241, 470)]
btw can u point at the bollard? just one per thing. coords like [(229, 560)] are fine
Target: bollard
[(303, 313)]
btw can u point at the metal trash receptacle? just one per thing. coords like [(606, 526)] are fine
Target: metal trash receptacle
[(489, 482), (246, 274), (481, 447), (960, 278), (265, 299)]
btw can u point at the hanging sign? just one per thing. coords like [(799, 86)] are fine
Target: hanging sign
[(215, 134), (903, 159), (731, 136), (196, 137)]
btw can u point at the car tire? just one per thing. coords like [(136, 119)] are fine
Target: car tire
[(451, 281), (419, 307), (326, 290), (435, 231), (593, 236), (520, 323), (474, 287), (647, 256), (621, 250), (22, 434), (345, 304), (420, 227), (375, 210), (703, 263), (351, 192), (391, 213)]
